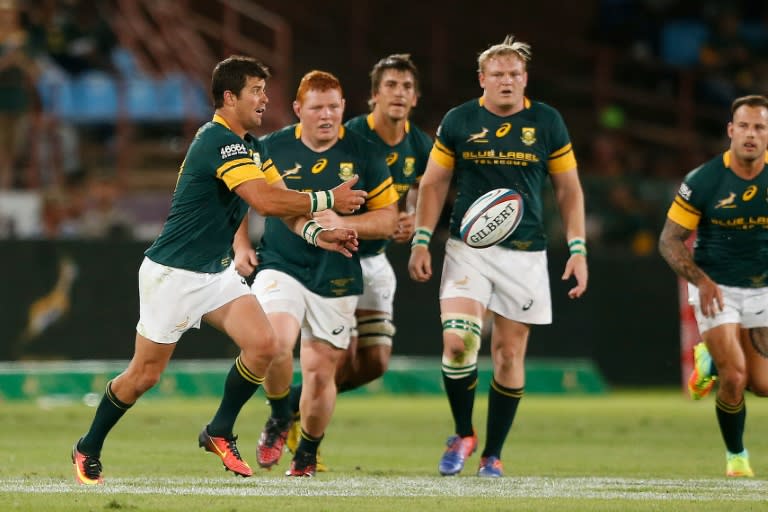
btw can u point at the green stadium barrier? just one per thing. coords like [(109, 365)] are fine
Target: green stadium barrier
[(81, 379)]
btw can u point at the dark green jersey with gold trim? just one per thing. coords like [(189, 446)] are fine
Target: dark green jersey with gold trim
[(325, 273), (205, 212), (487, 151), (730, 216), (406, 161)]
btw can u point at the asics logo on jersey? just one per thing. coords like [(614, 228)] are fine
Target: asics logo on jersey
[(337, 330), (727, 202), (528, 305), (478, 137), (462, 282)]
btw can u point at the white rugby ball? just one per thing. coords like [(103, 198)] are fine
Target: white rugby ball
[(492, 218)]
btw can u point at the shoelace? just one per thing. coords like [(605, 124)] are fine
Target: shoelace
[(275, 429), (232, 446), (92, 467)]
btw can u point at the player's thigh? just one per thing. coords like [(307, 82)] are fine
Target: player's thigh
[(243, 320), (520, 285), (174, 300), (330, 319), (379, 285), (724, 344), (318, 360), (754, 342)]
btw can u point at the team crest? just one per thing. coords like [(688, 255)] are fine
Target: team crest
[(409, 166), (346, 170), (528, 136)]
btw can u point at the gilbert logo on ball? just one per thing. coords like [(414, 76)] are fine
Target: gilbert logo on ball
[(492, 218)]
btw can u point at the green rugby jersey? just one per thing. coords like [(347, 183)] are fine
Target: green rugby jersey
[(731, 215), (487, 151), (407, 161), (325, 273), (205, 212)]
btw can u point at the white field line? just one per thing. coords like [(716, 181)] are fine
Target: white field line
[(509, 487)]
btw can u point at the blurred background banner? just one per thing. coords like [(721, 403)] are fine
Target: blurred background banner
[(78, 300)]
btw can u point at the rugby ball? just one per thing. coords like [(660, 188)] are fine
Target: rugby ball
[(492, 218)]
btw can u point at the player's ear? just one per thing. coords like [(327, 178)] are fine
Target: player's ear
[(297, 108)]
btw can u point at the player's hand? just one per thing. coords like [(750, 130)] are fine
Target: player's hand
[(347, 200), (406, 224), (576, 266), (338, 240), (246, 261), (420, 264), (710, 297), (329, 219)]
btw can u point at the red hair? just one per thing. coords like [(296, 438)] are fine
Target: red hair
[(317, 81)]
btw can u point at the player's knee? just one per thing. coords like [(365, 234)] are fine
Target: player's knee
[(376, 367), (733, 380), (374, 330), (507, 355), (462, 344), (146, 381)]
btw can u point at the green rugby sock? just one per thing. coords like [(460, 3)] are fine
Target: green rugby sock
[(108, 413), (502, 407), (461, 397), (238, 388), (732, 419)]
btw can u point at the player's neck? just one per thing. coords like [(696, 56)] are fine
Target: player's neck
[(504, 110), (318, 146), (232, 123), (391, 131), (746, 169)]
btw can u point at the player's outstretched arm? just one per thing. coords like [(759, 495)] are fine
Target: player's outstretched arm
[(341, 240), (277, 200), (370, 225)]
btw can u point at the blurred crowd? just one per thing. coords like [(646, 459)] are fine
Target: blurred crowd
[(628, 183), (42, 174)]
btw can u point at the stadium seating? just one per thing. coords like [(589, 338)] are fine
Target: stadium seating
[(681, 41)]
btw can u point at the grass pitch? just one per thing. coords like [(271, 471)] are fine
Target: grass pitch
[(627, 451)]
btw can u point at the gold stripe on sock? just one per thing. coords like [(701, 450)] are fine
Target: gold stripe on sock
[(728, 408), (510, 392), (246, 373), (310, 438), (115, 401), (279, 395)]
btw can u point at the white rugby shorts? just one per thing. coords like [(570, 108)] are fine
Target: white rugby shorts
[(379, 284), (326, 318), (173, 300), (745, 306), (513, 284)]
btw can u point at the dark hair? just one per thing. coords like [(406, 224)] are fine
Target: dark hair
[(231, 74), (753, 100), (398, 62)]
